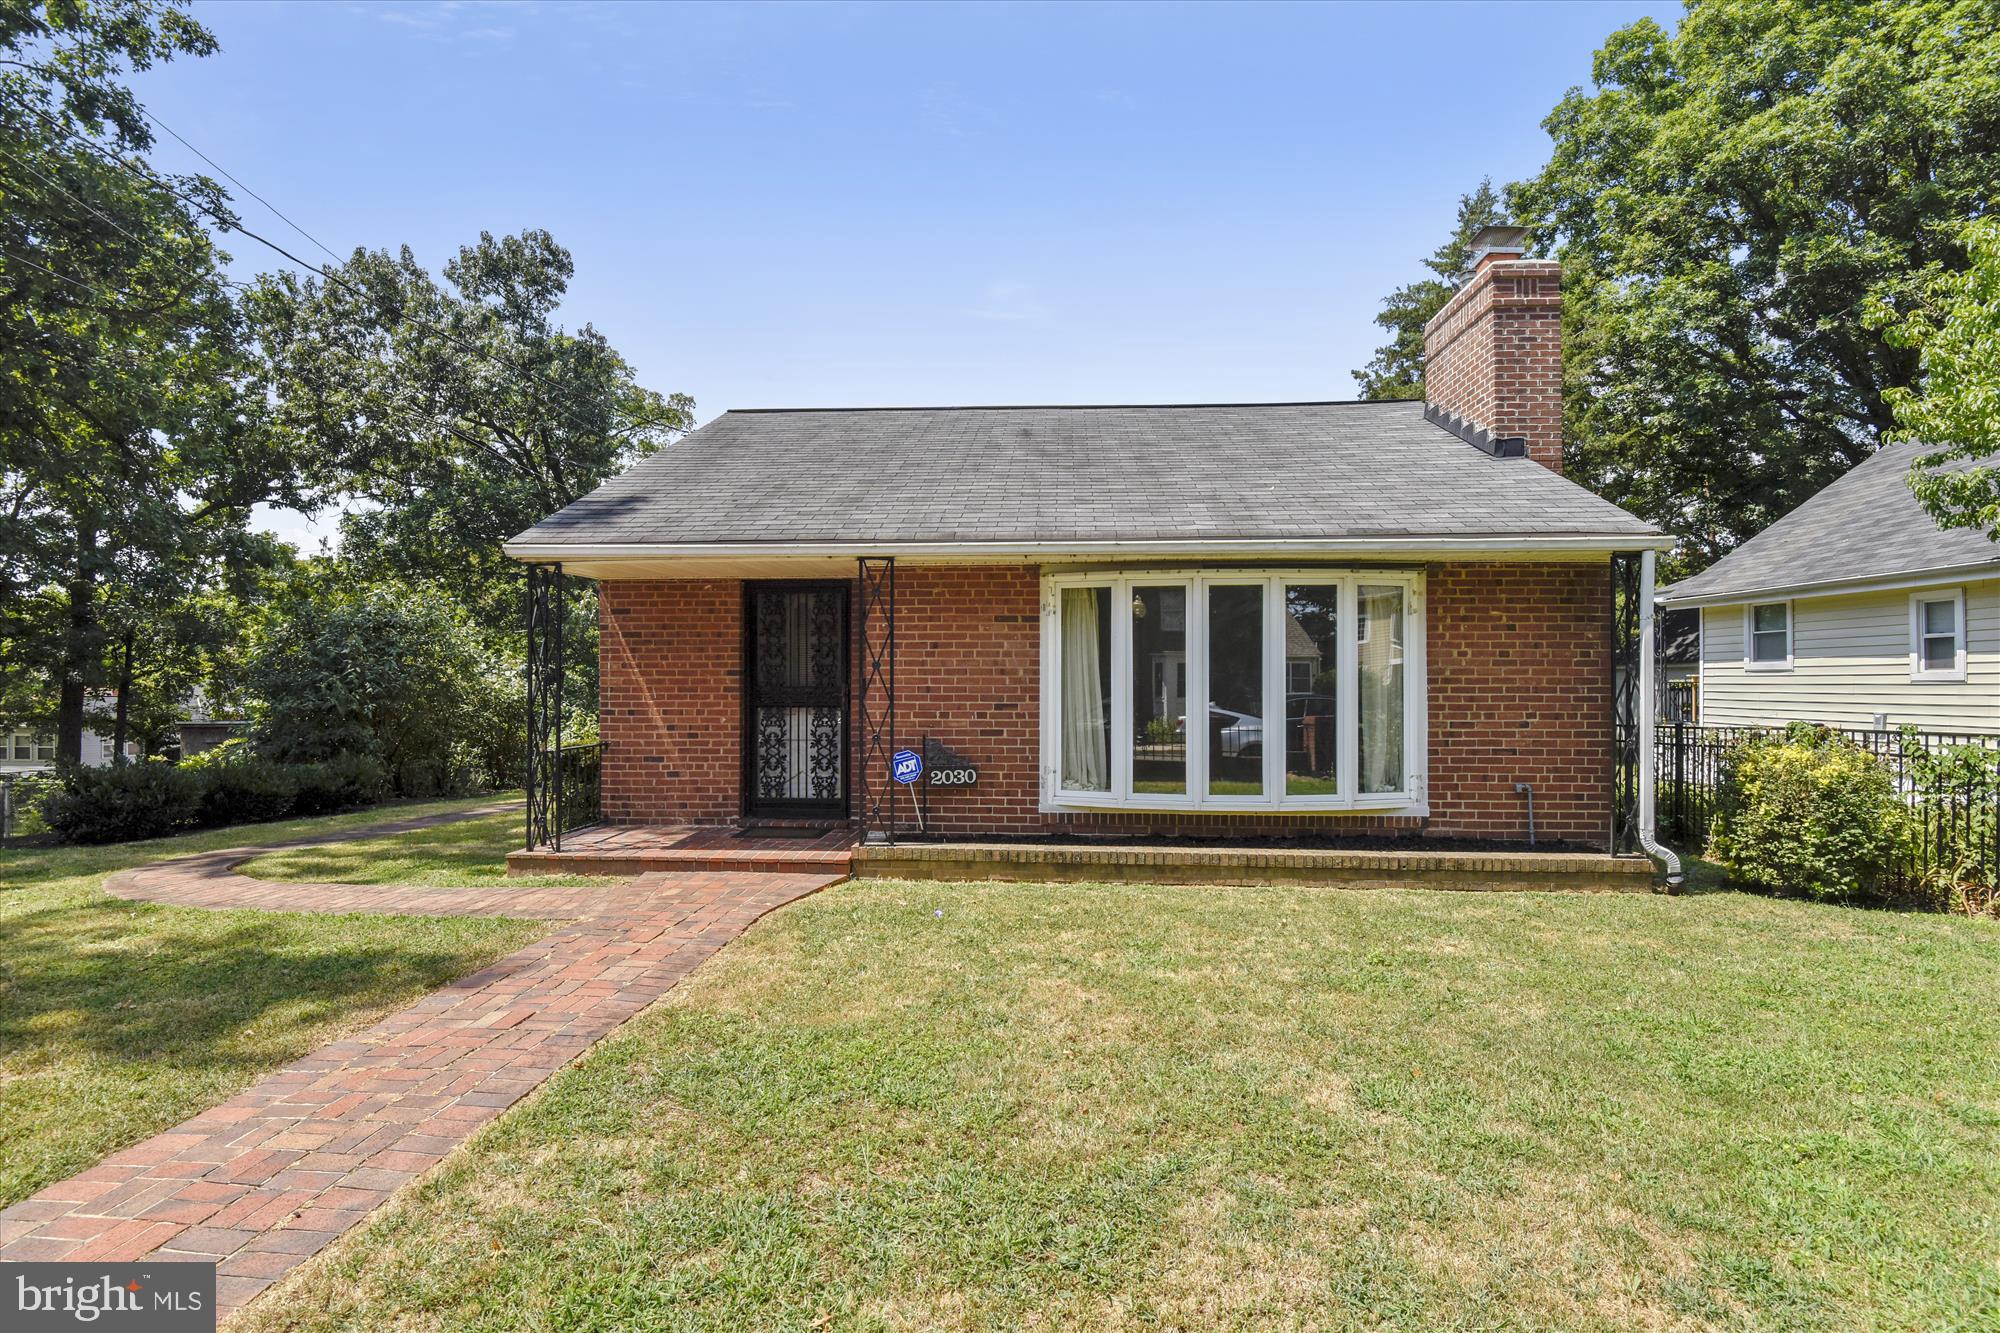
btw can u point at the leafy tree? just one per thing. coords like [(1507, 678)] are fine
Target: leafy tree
[(1397, 369), (1726, 202), (462, 412), (130, 448), (395, 673), (1958, 407)]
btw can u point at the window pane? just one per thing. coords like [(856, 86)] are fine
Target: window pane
[(1159, 691), (1312, 623), (1940, 652), (1769, 617), (46, 749), (1235, 691), (1768, 646), (1380, 684), (1940, 617), (1086, 689)]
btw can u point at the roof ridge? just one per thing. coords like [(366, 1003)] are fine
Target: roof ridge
[(1079, 407)]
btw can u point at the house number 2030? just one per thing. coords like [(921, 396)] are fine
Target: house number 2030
[(953, 777)]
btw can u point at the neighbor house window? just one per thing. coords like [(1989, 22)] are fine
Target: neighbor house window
[(1937, 636), (27, 747), (1769, 632), (1237, 689)]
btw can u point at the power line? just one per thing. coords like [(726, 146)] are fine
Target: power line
[(241, 186), (231, 223)]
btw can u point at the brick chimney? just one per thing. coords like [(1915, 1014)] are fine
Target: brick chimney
[(1493, 355)]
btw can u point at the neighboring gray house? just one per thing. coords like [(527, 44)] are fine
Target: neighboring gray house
[(1854, 610)]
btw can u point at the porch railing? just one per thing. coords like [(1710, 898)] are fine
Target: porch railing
[(1958, 819), (571, 795)]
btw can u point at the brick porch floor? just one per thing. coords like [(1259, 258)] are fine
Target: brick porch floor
[(631, 849), (276, 1173)]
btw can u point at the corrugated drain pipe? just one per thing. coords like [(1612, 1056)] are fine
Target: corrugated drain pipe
[(1645, 705)]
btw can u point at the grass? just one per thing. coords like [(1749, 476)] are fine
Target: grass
[(471, 853), (120, 1019), (922, 1105)]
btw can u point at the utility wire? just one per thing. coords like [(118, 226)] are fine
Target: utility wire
[(230, 223), (241, 186)]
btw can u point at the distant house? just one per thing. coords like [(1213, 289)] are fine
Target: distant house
[(1854, 610), (25, 749)]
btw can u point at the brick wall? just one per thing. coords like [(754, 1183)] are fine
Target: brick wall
[(1519, 692), (1494, 354), (669, 696)]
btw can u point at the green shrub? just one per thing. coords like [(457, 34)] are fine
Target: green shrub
[(346, 782), (246, 789), (148, 799), (1811, 814)]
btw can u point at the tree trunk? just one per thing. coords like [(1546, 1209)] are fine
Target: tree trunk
[(124, 702), (80, 649)]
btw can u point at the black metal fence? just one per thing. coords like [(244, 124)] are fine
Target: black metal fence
[(1958, 815), (572, 794)]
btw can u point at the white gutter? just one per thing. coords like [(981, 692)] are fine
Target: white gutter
[(1042, 550), (1644, 703), (1915, 578)]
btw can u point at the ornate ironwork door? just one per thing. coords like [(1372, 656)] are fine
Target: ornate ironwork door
[(795, 675)]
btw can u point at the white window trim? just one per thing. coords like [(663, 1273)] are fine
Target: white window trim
[(1750, 662), (1956, 673), (1413, 800)]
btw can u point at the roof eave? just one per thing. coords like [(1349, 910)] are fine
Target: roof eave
[(535, 552), (1889, 582)]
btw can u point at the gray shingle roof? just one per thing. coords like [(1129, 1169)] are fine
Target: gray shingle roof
[(1049, 474), (1865, 526)]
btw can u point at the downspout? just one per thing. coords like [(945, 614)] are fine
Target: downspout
[(1645, 707)]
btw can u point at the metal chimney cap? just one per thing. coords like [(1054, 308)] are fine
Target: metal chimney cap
[(1498, 242)]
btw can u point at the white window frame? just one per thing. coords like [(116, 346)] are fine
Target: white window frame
[(1956, 672), (1412, 800), (1750, 662)]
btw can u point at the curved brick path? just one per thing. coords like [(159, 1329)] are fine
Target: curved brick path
[(276, 1173)]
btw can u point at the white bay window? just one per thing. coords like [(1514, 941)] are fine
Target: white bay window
[(1233, 690)]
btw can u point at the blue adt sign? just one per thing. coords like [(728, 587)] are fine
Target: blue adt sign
[(906, 765)]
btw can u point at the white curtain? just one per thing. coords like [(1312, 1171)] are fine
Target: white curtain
[(1086, 749), (1380, 650)]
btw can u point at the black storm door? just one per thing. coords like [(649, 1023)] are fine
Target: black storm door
[(795, 699)]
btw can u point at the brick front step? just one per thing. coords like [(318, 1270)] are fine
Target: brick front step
[(1427, 869), (628, 861)]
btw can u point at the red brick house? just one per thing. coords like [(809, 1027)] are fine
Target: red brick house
[(1226, 619)]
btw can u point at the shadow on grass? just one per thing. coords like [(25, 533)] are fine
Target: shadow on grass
[(216, 990)]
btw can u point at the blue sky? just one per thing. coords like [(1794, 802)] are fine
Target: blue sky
[(779, 206)]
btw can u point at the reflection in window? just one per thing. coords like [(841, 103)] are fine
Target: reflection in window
[(1770, 632), (1312, 663), (1159, 691), (1086, 689), (1235, 690), (1379, 689), (1939, 626)]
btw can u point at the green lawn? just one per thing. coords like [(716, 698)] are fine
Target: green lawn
[(471, 853), (120, 1019), (920, 1105)]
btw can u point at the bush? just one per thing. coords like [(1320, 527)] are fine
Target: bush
[(149, 799), (347, 782), (399, 674), (1809, 813), (246, 790)]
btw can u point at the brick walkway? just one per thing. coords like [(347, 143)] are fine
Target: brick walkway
[(276, 1173)]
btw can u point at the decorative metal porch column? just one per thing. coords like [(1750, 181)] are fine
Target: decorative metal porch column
[(546, 599), (877, 809), (1625, 702)]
